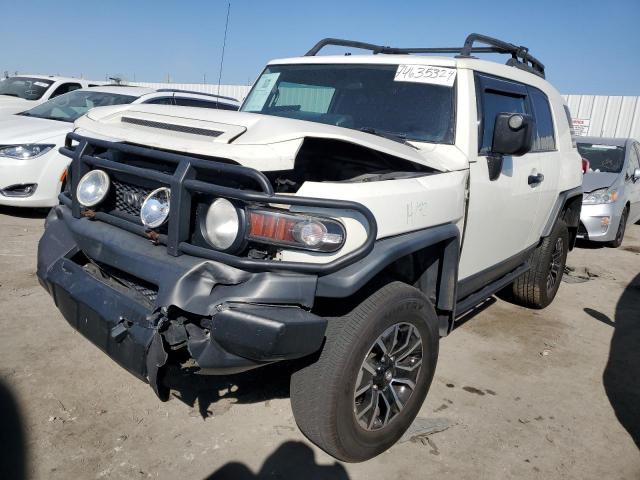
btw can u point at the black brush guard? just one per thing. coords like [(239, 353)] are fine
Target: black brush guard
[(183, 185)]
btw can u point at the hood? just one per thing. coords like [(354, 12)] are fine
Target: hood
[(10, 105), (16, 129), (257, 141), (595, 180)]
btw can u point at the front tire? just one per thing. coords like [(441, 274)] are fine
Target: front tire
[(538, 287), (622, 227), (372, 376)]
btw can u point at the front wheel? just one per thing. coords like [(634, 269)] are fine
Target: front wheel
[(538, 287), (372, 376), (622, 226)]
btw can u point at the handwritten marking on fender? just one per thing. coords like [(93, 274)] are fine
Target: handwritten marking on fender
[(416, 210)]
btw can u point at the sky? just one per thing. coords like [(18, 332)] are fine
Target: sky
[(588, 47)]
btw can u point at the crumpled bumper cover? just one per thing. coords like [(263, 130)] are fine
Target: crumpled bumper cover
[(244, 319)]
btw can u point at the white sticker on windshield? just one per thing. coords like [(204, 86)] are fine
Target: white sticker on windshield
[(261, 92), (426, 74), (41, 84)]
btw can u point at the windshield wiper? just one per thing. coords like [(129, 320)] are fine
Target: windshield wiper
[(396, 137), (10, 94)]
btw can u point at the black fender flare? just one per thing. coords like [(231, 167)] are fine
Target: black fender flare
[(349, 280), (563, 199)]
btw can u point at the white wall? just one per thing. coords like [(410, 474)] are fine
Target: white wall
[(606, 116)]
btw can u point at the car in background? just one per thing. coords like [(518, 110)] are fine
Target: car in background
[(32, 171), (611, 186), (23, 92)]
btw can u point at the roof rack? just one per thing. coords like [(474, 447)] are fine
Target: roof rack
[(177, 90), (520, 56)]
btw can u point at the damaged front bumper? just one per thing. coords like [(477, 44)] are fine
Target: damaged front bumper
[(145, 308)]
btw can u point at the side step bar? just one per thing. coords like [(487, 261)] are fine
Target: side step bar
[(467, 303)]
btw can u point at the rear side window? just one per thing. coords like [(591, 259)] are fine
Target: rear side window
[(544, 139), (493, 103)]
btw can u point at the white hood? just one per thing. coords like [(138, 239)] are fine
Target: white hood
[(17, 129), (258, 141), (10, 105)]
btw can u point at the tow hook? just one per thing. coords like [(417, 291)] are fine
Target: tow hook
[(119, 332)]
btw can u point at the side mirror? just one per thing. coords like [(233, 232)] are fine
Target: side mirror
[(512, 134), (636, 174)]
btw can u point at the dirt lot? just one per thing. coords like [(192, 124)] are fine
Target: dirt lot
[(526, 394)]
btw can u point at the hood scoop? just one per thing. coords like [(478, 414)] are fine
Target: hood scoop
[(172, 127)]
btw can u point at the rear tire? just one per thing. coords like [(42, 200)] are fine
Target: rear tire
[(622, 227), (538, 287), (372, 375)]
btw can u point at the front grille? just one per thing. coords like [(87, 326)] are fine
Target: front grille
[(122, 281), (129, 198), (146, 290)]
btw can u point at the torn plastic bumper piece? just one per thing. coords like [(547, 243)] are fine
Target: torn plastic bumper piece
[(140, 336)]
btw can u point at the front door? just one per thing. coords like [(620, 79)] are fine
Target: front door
[(502, 212)]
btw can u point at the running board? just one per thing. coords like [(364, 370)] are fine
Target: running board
[(469, 302)]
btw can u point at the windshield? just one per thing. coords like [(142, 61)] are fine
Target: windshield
[(24, 87), (369, 98), (71, 106), (602, 158)]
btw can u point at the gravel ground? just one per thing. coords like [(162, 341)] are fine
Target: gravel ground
[(520, 393)]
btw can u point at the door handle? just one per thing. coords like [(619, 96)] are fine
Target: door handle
[(535, 179)]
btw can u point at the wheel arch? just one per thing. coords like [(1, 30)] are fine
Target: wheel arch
[(426, 259), (567, 207)]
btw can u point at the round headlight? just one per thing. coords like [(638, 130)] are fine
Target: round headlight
[(92, 188), (155, 208), (221, 224)]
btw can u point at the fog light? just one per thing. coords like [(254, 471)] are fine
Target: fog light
[(92, 188), (604, 223), (155, 208)]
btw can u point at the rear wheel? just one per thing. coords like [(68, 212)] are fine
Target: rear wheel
[(372, 376), (622, 227), (538, 287)]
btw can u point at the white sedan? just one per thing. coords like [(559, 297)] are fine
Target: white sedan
[(22, 92), (32, 171)]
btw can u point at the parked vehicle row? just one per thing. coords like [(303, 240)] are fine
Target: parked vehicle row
[(32, 170)]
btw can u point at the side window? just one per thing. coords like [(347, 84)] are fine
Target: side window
[(544, 139), (160, 101), (65, 88), (493, 103)]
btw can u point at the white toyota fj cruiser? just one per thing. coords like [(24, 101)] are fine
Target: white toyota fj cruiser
[(351, 211)]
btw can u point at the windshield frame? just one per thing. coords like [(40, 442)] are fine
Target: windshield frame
[(33, 80), (453, 126), (54, 102)]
